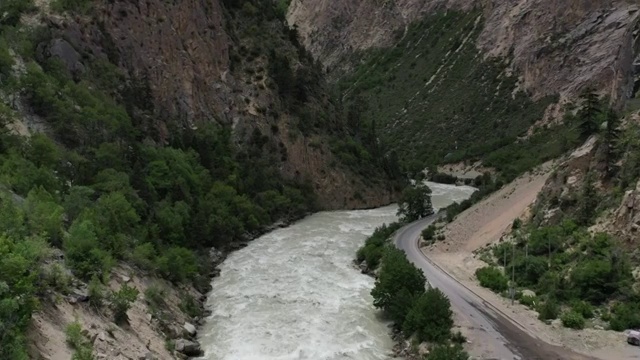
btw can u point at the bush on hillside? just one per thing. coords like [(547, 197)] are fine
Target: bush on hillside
[(121, 301), (429, 233), (178, 264), (548, 310), (96, 292), (625, 316), (528, 301), (583, 308), (572, 319), (492, 278)]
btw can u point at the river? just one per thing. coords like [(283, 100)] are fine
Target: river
[(293, 294)]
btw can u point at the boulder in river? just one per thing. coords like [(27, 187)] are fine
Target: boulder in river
[(189, 348), (189, 329), (363, 267)]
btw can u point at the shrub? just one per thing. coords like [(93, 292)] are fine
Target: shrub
[(121, 302), (373, 248), (12, 9), (178, 264), (70, 5), (528, 301), (572, 319), (583, 308), (75, 339), (144, 256), (517, 223), (625, 316), (430, 317), (458, 338), (492, 278), (429, 233), (154, 296), (548, 310), (190, 306), (57, 279), (447, 352), (96, 292), (83, 349), (84, 353)]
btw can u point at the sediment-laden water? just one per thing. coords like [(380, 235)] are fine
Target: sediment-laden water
[(294, 294)]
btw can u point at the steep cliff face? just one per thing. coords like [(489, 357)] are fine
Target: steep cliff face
[(191, 62), (555, 47)]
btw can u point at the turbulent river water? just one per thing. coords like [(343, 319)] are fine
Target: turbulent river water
[(294, 294)]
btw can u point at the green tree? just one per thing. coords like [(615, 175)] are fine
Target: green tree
[(83, 252), (177, 264), (447, 352), (430, 317), (415, 203), (590, 113), (398, 278), (116, 223), (612, 142), (6, 60), (44, 215), (172, 221), (588, 201), (21, 259), (76, 200)]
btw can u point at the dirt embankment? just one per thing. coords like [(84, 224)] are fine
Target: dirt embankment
[(484, 224), (162, 323)]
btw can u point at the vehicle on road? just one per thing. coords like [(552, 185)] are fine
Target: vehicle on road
[(633, 337)]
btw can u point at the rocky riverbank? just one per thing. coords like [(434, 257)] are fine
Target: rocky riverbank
[(162, 323)]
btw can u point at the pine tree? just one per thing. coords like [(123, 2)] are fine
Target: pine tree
[(590, 113)]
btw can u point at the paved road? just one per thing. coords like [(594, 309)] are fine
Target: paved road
[(509, 340)]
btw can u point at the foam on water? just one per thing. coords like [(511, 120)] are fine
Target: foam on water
[(293, 294)]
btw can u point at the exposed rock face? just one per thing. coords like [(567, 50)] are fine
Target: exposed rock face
[(178, 54), (626, 219), (182, 48), (332, 30), (558, 47)]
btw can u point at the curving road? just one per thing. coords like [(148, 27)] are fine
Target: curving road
[(509, 340)]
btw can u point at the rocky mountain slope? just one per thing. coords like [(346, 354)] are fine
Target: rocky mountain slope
[(554, 47), (458, 80)]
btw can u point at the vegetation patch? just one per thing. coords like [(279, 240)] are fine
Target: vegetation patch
[(435, 99)]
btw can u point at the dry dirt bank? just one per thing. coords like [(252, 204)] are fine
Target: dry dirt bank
[(483, 224)]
